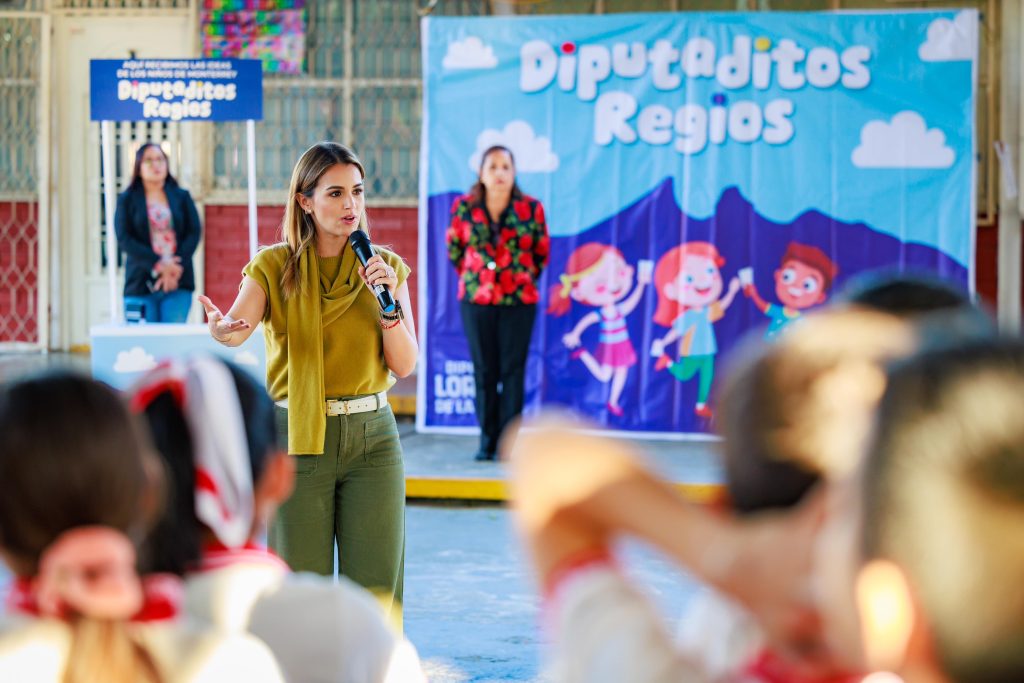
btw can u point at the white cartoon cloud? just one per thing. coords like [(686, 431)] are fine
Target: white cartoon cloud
[(950, 41), (904, 142), (532, 152), (470, 53), (246, 358), (134, 359)]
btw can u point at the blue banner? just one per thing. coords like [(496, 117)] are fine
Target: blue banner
[(175, 89), (716, 172)]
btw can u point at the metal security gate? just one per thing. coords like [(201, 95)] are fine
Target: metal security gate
[(81, 287), (24, 170)]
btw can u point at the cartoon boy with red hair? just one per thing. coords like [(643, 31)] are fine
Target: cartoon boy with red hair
[(802, 281), (689, 286)]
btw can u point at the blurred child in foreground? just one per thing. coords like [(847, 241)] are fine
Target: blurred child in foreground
[(214, 426), (791, 415), (79, 487)]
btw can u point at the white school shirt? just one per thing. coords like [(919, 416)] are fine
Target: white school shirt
[(604, 631), (35, 650), (720, 635), (319, 631)]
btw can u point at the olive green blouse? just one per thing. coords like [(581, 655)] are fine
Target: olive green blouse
[(343, 316)]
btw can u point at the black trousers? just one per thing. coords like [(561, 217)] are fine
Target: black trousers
[(499, 339)]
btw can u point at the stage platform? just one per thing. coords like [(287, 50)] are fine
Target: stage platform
[(441, 467)]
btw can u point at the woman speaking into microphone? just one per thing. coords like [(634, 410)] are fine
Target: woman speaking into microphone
[(332, 352)]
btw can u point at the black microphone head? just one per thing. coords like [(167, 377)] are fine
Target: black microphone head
[(361, 246), (359, 236)]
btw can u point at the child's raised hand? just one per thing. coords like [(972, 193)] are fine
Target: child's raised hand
[(657, 348), (554, 465), (571, 340), (734, 285)]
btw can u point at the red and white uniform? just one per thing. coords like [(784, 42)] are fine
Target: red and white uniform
[(34, 648), (317, 629), (719, 635), (604, 631)]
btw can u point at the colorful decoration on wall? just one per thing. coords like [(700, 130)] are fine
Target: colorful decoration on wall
[(273, 31)]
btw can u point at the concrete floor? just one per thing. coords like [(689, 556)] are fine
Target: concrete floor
[(471, 606), (447, 455)]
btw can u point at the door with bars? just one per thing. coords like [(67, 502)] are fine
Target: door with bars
[(24, 202)]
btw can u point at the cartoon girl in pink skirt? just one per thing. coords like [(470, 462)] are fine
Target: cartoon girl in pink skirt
[(597, 275)]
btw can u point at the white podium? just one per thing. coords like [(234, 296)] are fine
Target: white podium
[(121, 353)]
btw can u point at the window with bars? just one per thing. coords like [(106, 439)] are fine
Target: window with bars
[(120, 4), (19, 109), (361, 87)]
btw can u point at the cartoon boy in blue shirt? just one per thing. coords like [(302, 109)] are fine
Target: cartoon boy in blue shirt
[(802, 281)]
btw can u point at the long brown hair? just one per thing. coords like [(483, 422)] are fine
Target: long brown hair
[(478, 193), (298, 228), (71, 455)]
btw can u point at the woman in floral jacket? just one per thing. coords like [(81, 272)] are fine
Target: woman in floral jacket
[(498, 243)]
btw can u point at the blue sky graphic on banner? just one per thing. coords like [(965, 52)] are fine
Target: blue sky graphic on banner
[(744, 166)]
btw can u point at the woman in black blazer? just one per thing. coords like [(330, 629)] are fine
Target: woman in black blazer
[(158, 229)]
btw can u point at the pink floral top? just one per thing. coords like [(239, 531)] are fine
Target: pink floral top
[(161, 232)]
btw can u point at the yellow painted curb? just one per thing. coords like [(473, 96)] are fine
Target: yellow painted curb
[(497, 491), (456, 489), (701, 493)]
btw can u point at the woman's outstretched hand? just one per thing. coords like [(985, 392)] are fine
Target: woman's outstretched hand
[(221, 326)]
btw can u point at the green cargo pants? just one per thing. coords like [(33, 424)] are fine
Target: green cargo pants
[(352, 495)]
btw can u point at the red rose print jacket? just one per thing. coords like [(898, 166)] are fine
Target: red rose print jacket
[(498, 269)]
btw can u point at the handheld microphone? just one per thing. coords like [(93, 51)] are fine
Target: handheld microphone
[(361, 246)]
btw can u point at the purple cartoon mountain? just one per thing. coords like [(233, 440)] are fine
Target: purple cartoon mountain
[(646, 230)]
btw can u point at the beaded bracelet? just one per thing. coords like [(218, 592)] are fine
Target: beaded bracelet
[(399, 314), (387, 325)]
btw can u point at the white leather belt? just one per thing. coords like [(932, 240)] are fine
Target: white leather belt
[(363, 404)]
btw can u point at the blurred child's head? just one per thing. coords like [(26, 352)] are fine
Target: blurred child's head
[(941, 507), (904, 294), (798, 409), (215, 428), (804, 277), (71, 455), (79, 488)]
